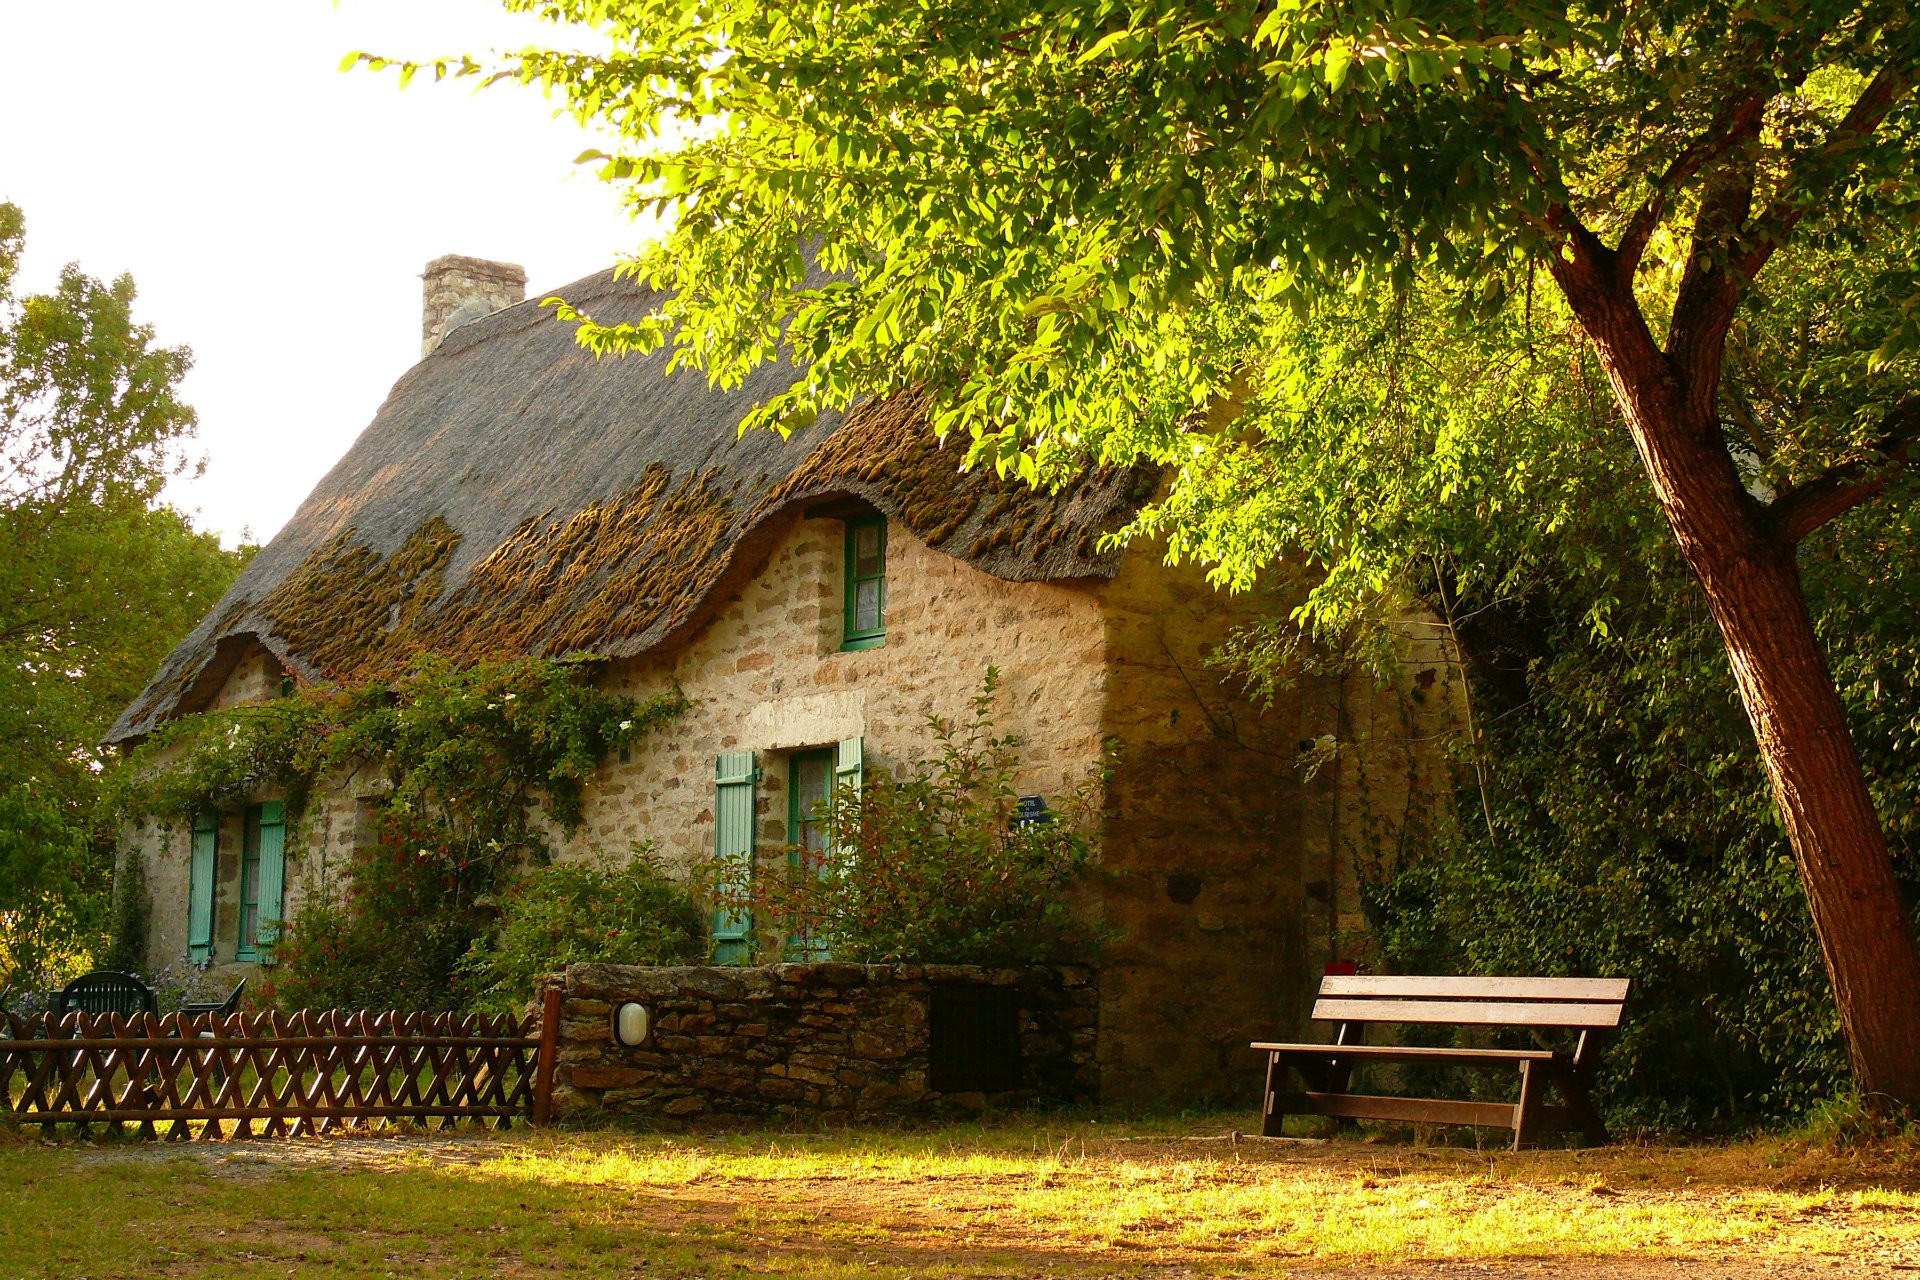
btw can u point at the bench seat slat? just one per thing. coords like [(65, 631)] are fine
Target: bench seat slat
[(1408, 1053), (1414, 986), (1478, 1013), (1361, 1106)]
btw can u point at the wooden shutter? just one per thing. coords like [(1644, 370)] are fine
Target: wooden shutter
[(273, 876), (206, 841), (733, 821), (849, 770), (849, 764)]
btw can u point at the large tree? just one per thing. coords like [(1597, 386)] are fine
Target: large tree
[(97, 581), (1059, 215)]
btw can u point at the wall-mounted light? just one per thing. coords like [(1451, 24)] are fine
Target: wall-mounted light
[(631, 1024)]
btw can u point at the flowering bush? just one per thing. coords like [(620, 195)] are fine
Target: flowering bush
[(412, 908), (575, 913), (930, 865)]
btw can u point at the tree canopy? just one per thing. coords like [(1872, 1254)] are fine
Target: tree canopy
[(1062, 215), (97, 581)]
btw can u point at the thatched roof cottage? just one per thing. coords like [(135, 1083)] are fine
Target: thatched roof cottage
[(516, 495)]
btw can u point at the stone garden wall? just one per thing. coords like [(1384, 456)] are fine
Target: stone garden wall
[(822, 1042)]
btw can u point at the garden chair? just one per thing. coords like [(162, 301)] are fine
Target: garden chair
[(105, 991)]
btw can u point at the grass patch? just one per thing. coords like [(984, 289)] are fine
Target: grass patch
[(1016, 1199)]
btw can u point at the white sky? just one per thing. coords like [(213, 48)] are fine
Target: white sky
[(276, 213)]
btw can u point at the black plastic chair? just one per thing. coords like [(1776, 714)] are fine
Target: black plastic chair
[(194, 1008), (106, 991)]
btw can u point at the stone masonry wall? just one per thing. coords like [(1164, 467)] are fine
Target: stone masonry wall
[(1234, 827), (766, 673), (824, 1042)]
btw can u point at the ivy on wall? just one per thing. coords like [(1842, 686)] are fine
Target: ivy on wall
[(468, 770)]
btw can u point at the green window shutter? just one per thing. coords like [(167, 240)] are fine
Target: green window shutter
[(733, 821), (866, 584), (206, 841), (849, 765), (273, 876)]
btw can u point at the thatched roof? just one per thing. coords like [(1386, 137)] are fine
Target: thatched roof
[(516, 495)]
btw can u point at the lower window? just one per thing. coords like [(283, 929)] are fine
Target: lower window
[(249, 948)]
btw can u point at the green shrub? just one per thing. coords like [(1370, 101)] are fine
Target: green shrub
[(576, 913), (127, 924), (411, 910), (932, 868), (1633, 832)]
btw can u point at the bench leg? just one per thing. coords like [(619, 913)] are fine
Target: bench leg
[(1526, 1113), (1269, 1118), (1573, 1088)]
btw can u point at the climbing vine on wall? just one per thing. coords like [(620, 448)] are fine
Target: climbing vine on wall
[(467, 771)]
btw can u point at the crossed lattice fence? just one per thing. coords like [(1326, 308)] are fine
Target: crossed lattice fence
[(287, 1074)]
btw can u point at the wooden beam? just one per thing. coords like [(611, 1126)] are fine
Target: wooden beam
[(1361, 1106), (549, 1055), (1410, 1053), (1429, 988)]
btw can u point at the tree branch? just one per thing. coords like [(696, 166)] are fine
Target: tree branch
[(1709, 293), (1738, 121), (1768, 232), (1840, 488)]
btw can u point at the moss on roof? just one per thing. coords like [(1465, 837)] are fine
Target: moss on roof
[(514, 495)]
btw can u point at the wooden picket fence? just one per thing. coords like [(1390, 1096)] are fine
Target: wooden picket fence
[(287, 1074)]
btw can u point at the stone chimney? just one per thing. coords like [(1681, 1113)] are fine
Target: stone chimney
[(458, 289)]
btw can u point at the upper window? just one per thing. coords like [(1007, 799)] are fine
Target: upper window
[(866, 584)]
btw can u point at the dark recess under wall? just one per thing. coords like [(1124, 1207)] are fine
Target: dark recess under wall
[(973, 1039)]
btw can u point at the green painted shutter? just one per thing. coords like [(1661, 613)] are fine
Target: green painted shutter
[(273, 876), (849, 767), (733, 820), (206, 839)]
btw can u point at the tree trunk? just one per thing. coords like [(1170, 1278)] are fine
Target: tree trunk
[(1866, 935), (1751, 579)]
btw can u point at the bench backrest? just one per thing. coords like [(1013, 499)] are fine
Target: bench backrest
[(106, 991), (1584, 1003)]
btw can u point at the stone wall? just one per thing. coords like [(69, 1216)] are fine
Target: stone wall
[(1234, 827), (766, 673), (257, 676), (823, 1042)]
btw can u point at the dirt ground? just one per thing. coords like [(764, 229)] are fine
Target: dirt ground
[(1021, 1200)]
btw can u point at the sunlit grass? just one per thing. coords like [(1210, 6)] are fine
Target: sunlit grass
[(1017, 1199)]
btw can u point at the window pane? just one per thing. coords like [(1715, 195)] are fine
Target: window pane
[(249, 926), (813, 782), (867, 559), (866, 606)]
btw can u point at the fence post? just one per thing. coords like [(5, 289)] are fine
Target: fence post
[(549, 1051)]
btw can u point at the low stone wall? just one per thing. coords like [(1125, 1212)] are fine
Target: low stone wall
[(825, 1042)]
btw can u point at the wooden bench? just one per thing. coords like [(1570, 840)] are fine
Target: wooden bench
[(1589, 1008)]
